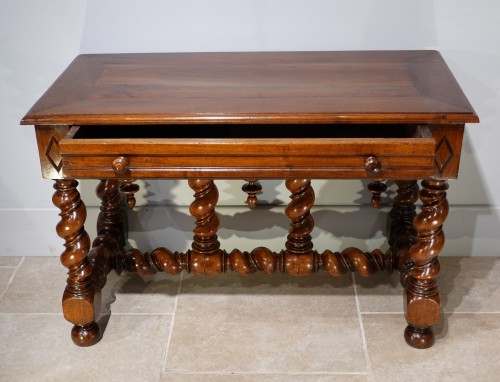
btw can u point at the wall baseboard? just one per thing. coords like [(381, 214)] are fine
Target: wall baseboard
[(469, 230)]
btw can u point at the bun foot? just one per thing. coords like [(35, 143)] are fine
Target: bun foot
[(419, 338), (87, 335)]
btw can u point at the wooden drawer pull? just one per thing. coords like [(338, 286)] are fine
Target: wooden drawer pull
[(120, 165), (372, 165)]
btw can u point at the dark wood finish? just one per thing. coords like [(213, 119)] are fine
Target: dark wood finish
[(129, 189), (81, 300), (107, 247), (284, 87), (401, 231), (377, 188), (421, 265), (396, 151), (395, 115), (205, 254), (299, 256), (48, 138), (260, 259), (448, 149), (252, 188), (297, 259)]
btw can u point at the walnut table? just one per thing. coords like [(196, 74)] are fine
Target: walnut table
[(379, 116)]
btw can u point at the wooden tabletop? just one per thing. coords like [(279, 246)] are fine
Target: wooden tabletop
[(255, 88)]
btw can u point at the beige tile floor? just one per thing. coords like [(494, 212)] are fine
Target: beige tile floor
[(256, 328)]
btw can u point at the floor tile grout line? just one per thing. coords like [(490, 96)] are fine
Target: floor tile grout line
[(170, 333), (459, 312), (151, 314), (30, 314), (162, 314), (369, 371), (61, 314), (11, 280), (443, 312), (256, 373)]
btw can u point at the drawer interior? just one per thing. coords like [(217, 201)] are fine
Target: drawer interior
[(227, 131)]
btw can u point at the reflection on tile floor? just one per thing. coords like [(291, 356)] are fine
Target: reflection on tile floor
[(257, 328)]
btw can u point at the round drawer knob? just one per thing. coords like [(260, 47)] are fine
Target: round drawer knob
[(372, 165), (120, 165)]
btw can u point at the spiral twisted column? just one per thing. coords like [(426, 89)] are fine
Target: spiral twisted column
[(355, 260), (400, 223), (261, 259), (107, 247), (81, 299), (299, 257), (421, 266), (205, 256)]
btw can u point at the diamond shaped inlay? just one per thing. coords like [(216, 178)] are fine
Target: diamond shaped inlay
[(444, 153), (53, 155)]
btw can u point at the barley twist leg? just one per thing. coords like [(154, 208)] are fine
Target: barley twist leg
[(81, 299), (421, 265), (107, 247), (400, 224), (205, 256), (299, 257)]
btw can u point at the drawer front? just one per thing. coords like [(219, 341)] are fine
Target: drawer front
[(144, 153)]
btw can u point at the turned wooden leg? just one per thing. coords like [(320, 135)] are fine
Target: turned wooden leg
[(81, 300), (420, 265), (400, 224), (107, 247), (205, 258), (299, 257)]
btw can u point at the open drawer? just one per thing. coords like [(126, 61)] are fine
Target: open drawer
[(249, 151)]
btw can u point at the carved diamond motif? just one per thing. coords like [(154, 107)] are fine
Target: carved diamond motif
[(444, 153), (53, 154)]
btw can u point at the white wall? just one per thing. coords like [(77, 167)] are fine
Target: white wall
[(39, 39)]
